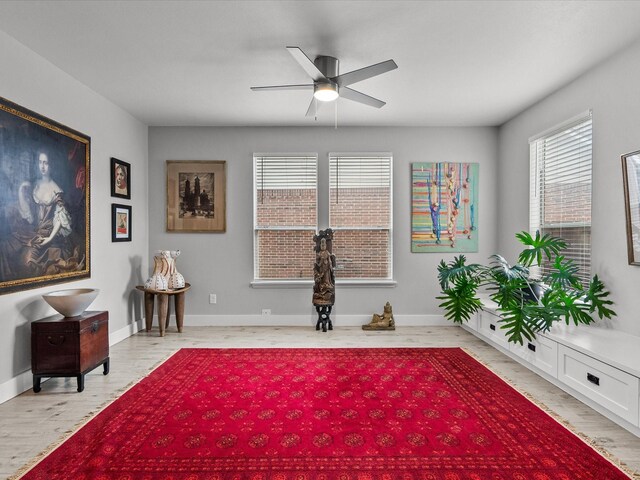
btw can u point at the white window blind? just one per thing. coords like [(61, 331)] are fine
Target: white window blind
[(560, 192), (360, 212), (285, 215), (273, 172)]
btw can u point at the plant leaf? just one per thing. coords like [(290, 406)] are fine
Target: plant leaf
[(574, 308), (515, 323), (546, 244), (455, 269), (503, 271), (543, 315), (460, 301), (597, 298), (564, 274), (509, 294)]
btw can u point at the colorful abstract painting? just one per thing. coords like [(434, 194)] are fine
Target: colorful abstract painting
[(444, 207)]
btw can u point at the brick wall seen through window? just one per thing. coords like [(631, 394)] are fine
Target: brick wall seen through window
[(286, 219), (285, 216)]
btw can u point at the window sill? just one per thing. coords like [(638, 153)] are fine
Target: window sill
[(281, 283), (307, 283)]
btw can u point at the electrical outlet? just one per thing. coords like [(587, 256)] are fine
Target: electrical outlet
[(213, 298), (266, 311)]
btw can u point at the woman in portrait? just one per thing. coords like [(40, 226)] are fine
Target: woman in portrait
[(53, 217), (121, 179), (40, 229)]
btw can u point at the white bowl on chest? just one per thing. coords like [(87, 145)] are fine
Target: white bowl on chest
[(72, 302)]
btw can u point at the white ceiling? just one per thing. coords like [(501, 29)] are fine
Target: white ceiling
[(460, 63)]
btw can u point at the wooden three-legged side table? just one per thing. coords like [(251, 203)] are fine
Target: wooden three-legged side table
[(164, 313)]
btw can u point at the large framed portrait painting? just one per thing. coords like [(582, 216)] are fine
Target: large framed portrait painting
[(44, 201)]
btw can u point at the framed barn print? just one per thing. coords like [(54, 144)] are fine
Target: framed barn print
[(120, 223), (196, 199), (44, 193), (631, 178), (120, 179)]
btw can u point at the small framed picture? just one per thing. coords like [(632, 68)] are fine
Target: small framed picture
[(120, 223), (120, 179)]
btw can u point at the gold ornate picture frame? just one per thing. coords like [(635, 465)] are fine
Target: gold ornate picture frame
[(196, 196), (45, 235)]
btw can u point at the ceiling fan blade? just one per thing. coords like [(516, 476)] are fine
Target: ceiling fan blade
[(314, 107), (307, 64), (306, 86), (364, 73), (355, 96)]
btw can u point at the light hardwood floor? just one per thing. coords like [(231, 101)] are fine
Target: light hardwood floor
[(31, 422)]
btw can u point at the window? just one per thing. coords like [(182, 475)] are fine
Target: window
[(357, 205), (360, 209), (285, 215), (560, 195)]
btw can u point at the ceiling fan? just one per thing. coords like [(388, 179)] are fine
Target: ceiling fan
[(328, 84)]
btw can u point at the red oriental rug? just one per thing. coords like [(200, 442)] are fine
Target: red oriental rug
[(321, 414)]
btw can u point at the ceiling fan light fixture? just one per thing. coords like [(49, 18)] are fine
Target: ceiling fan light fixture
[(328, 84), (325, 92)]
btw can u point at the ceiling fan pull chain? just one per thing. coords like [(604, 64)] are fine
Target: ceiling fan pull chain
[(336, 114)]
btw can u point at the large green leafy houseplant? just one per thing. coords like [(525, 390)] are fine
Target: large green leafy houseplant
[(525, 305)]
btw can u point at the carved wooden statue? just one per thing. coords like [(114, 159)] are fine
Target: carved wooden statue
[(382, 322), (324, 288)]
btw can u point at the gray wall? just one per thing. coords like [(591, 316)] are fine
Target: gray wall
[(612, 91), (32, 82), (223, 263)]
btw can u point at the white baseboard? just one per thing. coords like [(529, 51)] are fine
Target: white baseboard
[(24, 381), (126, 332), (15, 386), (303, 320)]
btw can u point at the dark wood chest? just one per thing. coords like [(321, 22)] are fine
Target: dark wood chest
[(69, 346)]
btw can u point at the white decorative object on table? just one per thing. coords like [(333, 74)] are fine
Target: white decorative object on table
[(72, 302), (159, 278), (165, 275), (156, 282), (176, 280)]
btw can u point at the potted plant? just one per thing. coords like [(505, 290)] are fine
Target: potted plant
[(526, 305)]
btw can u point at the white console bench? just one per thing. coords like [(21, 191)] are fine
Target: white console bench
[(598, 366)]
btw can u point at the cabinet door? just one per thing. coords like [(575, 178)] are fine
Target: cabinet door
[(541, 352), (489, 327), (614, 389), (472, 324)]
